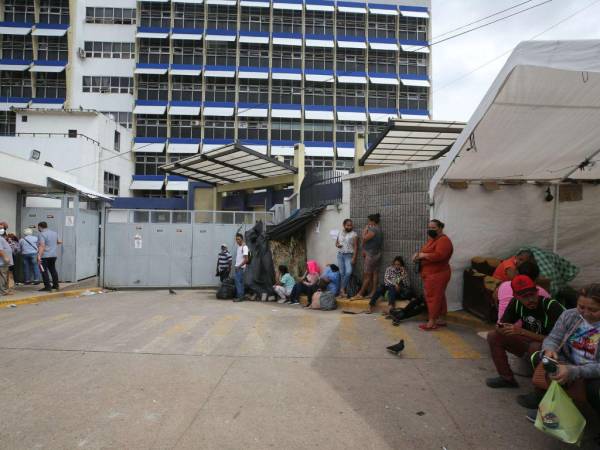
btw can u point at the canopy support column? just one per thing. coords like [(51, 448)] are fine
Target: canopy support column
[(555, 218)]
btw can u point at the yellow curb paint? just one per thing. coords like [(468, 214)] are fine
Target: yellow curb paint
[(47, 297), (397, 333), (37, 324), (305, 332), (209, 341), (162, 342), (255, 342), (455, 345)]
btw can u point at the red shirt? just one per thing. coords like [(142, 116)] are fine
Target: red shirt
[(439, 251), (500, 272)]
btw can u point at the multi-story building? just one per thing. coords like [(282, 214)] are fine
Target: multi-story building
[(198, 74)]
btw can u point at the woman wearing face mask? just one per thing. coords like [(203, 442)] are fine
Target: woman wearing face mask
[(575, 343), (434, 264)]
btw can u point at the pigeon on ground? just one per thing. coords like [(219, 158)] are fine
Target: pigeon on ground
[(172, 292), (395, 349)]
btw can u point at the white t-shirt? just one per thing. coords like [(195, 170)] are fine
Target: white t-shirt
[(242, 250)]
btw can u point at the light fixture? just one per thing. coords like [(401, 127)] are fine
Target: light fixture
[(549, 197), (35, 155)]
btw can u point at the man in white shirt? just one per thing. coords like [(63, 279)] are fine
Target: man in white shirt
[(241, 261)]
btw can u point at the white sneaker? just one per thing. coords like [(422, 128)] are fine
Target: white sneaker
[(283, 300)]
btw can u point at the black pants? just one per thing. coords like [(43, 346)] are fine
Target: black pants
[(223, 274), (301, 288), (49, 265)]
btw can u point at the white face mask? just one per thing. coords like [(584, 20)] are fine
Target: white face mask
[(1, 231)]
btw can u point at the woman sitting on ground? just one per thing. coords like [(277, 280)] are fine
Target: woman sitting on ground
[(575, 343), (330, 281), (285, 284), (395, 282), (308, 284)]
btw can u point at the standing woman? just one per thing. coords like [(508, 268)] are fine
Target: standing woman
[(347, 244), (434, 264), (372, 239)]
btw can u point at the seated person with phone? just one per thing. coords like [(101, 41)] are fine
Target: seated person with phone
[(538, 315), (571, 353)]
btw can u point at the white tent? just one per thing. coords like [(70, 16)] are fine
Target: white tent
[(537, 128)]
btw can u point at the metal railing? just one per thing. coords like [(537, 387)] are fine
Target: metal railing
[(153, 216), (322, 188)]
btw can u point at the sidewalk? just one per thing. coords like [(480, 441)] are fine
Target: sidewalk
[(27, 294)]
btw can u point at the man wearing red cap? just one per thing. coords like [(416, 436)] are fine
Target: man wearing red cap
[(538, 316)]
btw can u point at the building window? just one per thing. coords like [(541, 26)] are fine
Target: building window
[(54, 11), (286, 92), (115, 50), (346, 164), (318, 58), (154, 51), (187, 52), (117, 141), (382, 26), (220, 90), (53, 48), (185, 127), (149, 163), (51, 85), (413, 28), (350, 60), (107, 85), (374, 131), (111, 183), (286, 130), (15, 84), (188, 89), (221, 17), (315, 164), (254, 55), (154, 14), (189, 15), (151, 126), (413, 97), (257, 129), (383, 62), (19, 11), (318, 130), (116, 16), (8, 123), (345, 131), (286, 21), (351, 95), (413, 63), (319, 94), (17, 47), (219, 129), (153, 87), (350, 24), (220, 53), (254, 91), (287, 57), (383, 96), (125, 119), (255, 19), (319, 22)]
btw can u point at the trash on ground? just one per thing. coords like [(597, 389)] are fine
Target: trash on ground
[(420, 413), (88, 293)]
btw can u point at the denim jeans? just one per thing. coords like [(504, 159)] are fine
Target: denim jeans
[(31, 268), (239, 282), (392, 294), (345, 264)]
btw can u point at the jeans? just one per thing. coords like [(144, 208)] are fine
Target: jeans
[(49, 265), (31, 268), (380, 292), (345, 264), (3, 279), (239, 281)]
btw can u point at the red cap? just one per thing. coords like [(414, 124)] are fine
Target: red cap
[(523, 286)]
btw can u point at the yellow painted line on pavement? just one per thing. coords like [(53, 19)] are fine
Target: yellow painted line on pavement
[(347, 332), (40, 323), (209, 341), (39, 298), (455, 345), (255, 342), (398, 333), (306, 330), (161, 342)]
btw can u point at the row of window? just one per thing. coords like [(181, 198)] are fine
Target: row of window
[(111, 183), (116, 16), (49, 48), (125, 119), (51, 11), (114, 50), (107, 85), (19, 84)]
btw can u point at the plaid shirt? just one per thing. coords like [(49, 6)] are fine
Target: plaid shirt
[(395, 277), (556, 268)]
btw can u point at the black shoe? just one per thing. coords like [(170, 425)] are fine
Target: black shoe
[(531, 415), (45, 289), (56, 288), (531, 400), (500, 382), (396, 323), (237, 300), (397, 348)]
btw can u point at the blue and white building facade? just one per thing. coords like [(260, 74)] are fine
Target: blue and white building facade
[(192, 75)]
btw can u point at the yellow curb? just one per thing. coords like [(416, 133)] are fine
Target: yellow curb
[(47, 297), (468, 320)]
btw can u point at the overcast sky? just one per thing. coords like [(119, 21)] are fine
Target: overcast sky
[(456, 100)]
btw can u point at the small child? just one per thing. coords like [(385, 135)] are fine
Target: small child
[(285, 285)]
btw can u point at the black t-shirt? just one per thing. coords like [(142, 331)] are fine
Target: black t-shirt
[(540, 320)]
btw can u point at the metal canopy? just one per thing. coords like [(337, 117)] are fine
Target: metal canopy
[(232, 163), (412, 141)]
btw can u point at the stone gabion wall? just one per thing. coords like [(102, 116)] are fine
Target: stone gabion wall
[(402, 200)]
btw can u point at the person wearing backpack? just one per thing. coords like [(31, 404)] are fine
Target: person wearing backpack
[(538, 315), (28, 245)]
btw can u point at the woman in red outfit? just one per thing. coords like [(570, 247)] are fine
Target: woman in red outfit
[(434, 259)]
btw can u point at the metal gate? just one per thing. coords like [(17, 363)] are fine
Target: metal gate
[(76, 222), (151, 248)]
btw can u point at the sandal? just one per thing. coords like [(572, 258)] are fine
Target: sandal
[(425, 327)]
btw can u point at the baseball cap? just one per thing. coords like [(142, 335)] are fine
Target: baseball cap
[(224, 245), (523, 286)]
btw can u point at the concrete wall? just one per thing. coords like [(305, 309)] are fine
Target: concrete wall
[(8, 204), (320, 244)]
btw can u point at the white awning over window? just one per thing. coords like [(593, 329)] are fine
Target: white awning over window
[(179, 110), (149, 147), (47, 68), (220, 72), (17, 104), (382, 117), (286, 76), (15, 67), (187, 36), (156, 110), (43, 103), (417, 14), (221, 37), (254, 39), (16, 30), (323, 43), (220, 111), (256, 75), (253, 112), (418, 83), (318, 114), (54, 32), (152, 35), (177, 185), (292, 6), (194, 2), (358, 9), (320, 7), (151, 70), (382, 12), (384, 80), (282, 150), (351, 44), (383, 46), (222, 2), (254, 4), (189, 71), (358, 79), (351, 115), (176, 147), (325, 151), (414, 48), (322, 77), (146, 185), (414, 116), (286, 113), (287, 41), (345, 152), (262, 149)]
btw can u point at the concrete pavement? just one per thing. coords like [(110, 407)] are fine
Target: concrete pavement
[(139, 370)]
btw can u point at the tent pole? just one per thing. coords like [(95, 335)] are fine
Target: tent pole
[(555, 219)]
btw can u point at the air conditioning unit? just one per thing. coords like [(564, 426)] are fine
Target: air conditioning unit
[(81, 53)]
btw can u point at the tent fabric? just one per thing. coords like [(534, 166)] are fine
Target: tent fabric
[(259, 276), (296, 222), (538, 120)]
